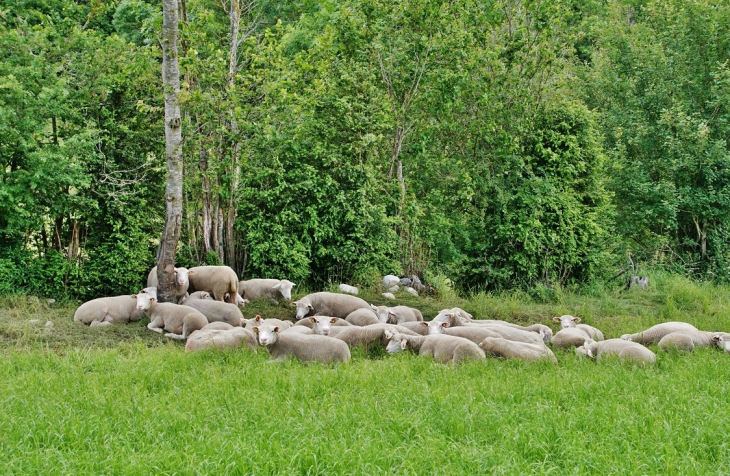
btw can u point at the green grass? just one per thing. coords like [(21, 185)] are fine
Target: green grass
[(122, 400)]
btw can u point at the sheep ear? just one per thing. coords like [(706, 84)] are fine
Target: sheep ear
[(134, 296), (374, 307), (716, 338), (576, 319), (589, 352), (556, 319), (190, 271), (276, 286), (314, 320), (276, 329), (424, 324), (152, 299), (310, 307), (389, 334), (391, 313), (334, 319), (256, 330), (257, 318), (293, 304), (445, 324), (292, 284), (404, 344)]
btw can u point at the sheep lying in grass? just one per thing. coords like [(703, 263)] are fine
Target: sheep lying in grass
[(310, 322), (205, 295), (449, 316), (269, 288), (209, 338), (260, 321), (688, 340), (219, 281), (509, 349), (623, 349), (178, 321), (655, 333), (570, 337), (217, 311), (182, 283), (512, 333), (108, 310), (397, 314), (442, 348), (567, 321), (328, 304), (362, 317), (321, 325), (420, 328), (367, 335), (282, 345), (475, 334), (545, 333)]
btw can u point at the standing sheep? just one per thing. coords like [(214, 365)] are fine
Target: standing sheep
[(328, 304), (570, 321), (509, 349), (216, 311), (304, 347), (269, 288), (397, 314), (182, 283), (217, 280), (623, 349), (108, 310), (178, 321), (655, 333), (441, 348)]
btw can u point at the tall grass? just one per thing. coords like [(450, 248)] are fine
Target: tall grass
[(122, 400)]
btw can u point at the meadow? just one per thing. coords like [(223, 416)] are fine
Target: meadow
[(123, 400)]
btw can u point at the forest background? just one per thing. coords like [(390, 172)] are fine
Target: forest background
[(502, 144)]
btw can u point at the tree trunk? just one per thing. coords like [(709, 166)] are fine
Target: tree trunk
[(173, 152), (234, 14), (207, 221)]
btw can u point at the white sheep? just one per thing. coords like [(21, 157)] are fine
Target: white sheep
[(688, 340), (108, 310), (198, 295), (441, 348), (269, 288), (217, 280), (570, 337), (453, 318), (208, 338), (216, 311), (328, 304), (475, 334), (179, 321), (373, 334), (541, 329), (282, 345), (260, 321), (321, 325), (362, 317), (310, 322), (419, 327), (182, 283), (623, 349), (151, 290), (513, 333), (509, 349), (397, 314), (570, 321), (388, 295), (655, 333), (722, 340), (389, 281), (346, 288)]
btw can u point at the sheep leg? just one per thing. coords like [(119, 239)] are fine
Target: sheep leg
[(100, 323), (155, 326), (174, 336)]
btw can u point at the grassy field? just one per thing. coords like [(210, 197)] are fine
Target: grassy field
[(123, 400)]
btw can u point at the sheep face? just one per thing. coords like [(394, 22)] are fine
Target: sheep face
[(144, 301), (266, 335), (284, 286), (567, 321), (181, 275), (303, 308), (322, 324), (384, 314), (436, 327), (396, 344), (240, 302), (152, 291), (722, 340)]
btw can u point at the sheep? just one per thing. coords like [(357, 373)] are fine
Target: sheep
[(328, 304), (217, 280), (217, 326), (366, 335), (397, 314), (270, 288), (310, 322), (450, 316), (688, 340), (178, 321), (623, 349), (321, 325), (182, 283), (419, 327), (198, 295), (346, 288), (722, 340), (442, 348), (542, 329), (389, 281), (259, 321), (655, 333), (304, 347), (151, 290), (362, 317), (475, 334), (108, 310), (512, 333), (509, 349), (388, 295), (570, 321), (570, 337), (217, 311), (220, 339)]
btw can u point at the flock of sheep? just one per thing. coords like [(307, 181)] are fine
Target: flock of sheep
[(206, 314)]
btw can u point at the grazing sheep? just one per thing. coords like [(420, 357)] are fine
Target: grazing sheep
[(217, 280), (220, 339), (270, 288), (623, 349), (259, 321), (216, 311), (397, 314), (570, 337), (389, 281), (282, 345), (442, 348), (346, 288), (199, 295), (688, 340), (362, 317), (328, 304), (388, 295), (108, 310), (509, 349), (367, 335), (655, 333), (182, 283), (178, 321), (570, 321), (722, 340)]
